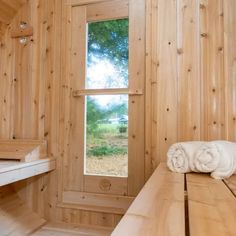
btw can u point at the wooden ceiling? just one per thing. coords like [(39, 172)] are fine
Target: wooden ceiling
[(8, 9)]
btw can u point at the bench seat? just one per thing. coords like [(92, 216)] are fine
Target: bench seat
[(175, 204), (13, 171)]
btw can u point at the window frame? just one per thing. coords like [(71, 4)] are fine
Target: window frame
[(113, 193)]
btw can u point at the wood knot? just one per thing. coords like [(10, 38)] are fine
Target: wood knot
[(105, 185), (204, 35)]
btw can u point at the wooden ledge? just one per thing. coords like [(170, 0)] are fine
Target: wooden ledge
[(23, 150), (13, 171)]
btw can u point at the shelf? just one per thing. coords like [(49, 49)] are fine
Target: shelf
[(13, 171)]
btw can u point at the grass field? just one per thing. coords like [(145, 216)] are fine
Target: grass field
[(107, 150)]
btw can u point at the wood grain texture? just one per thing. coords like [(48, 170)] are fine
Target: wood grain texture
[(212, 70), (71, 230), (212, 206), (9, 9), (136, 141), (190, 70), (23, 150), (230, 67), (158, 209), (231, 183), (16, 217), (188, 67), (193, 78), (13, 171), (166, 77)]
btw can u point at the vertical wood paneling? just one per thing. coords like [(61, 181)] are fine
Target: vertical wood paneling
[(191, 78), (136, 168), (148, 101), (202, 94), (65, 95), (230, 66), (7, 87), (166, 100), (155, 159), (212, 69), (188, 66), (78, 59)]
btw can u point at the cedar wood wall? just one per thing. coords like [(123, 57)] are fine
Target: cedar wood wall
[(190, 87)]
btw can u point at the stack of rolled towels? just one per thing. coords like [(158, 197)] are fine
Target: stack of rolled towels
[(215, 157)]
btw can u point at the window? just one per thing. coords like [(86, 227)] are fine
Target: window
[(105, 148), (107, 115)]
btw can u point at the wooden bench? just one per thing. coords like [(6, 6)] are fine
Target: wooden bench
[(174, 204), (22, 159), (13, 171)]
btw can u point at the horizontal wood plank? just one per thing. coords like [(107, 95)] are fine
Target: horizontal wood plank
[(158, 209), (231, 184), (74, 3), (105, 184), (17, 33), (107, 203), (13, 171), (87, 92), (111, 10), (23, 150), (60, 229), (212, 207)]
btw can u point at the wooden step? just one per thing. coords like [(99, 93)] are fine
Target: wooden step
[(16, 219), (54, 229), (23, 150)]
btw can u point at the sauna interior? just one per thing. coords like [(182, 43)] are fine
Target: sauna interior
[(92, 95)]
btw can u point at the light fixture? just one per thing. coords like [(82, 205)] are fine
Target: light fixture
[(23, 40)]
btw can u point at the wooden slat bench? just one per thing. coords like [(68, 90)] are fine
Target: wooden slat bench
[(174, 204)]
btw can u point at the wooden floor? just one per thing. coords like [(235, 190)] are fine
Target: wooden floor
[(64, 230)]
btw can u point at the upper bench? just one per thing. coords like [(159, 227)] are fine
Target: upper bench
[(22, 159), (174, 204)]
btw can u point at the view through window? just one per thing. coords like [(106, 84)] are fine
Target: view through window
[(107, 115)]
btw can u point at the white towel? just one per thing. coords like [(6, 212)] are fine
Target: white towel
[(180, 156), (207, 157), (217, 158)]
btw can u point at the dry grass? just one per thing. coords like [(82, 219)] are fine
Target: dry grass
[(108, 165)]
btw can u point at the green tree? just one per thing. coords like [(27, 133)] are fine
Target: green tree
[(109, 39), (94, 114)]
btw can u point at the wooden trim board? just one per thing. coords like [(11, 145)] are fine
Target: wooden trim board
[(23, 150), (87, 92), (14, 171), (106, 203), (72, 229)]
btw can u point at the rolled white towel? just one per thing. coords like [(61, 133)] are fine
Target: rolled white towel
[(207, 157), (217, 158), (227, 164), (180, 156)]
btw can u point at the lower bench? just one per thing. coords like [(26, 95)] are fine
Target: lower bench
[(178, 204)]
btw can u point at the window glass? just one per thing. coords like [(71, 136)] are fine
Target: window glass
[(107, 135), (107, 56)]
